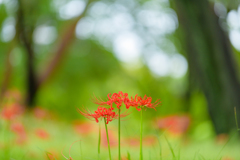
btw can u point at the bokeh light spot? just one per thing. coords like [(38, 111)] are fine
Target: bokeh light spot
[(127, 46), (44, 34)]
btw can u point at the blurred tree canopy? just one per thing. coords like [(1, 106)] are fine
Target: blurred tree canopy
[(59, 53)]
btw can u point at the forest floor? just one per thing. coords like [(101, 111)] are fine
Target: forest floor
[(40, 135)]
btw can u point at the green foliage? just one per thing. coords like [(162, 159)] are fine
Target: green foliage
[(171, 149), (128, 156)]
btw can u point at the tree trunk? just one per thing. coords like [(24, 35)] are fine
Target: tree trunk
[(211, 62), (25, 36)]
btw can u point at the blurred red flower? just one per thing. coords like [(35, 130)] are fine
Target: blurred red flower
[(132, 141), (174, 124), (83, 128), (222, 138), (40, 113), (42, 134), (11, 111), (19, 130), (112, 138), (227, 158), (149, 140)]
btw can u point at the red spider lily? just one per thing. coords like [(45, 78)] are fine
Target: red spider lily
[(134, 142), (117, 98), (140, 102), (40, 113), (41, 133), (84, 128), (175, 124), (19, 130), (149, 140), (222, 138), (10, 111), (227, 158), (101, 112)]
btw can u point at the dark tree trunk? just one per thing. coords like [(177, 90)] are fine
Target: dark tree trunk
[(31, 79), (25, 36), (25, 30), (211, 62)]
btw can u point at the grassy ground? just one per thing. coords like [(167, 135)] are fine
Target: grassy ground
[(31, 136)]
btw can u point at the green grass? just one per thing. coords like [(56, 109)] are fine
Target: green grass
[(62, 134)]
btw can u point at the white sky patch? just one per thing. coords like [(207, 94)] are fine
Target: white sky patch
[(233, 20), (98, 9), (109, 20), (104, 28), (72, 9), (130, 4), (178, 66), (44, 35), (110, 27), (127, 46), (11, 6), (158, 22), (122, 21), (159, 64), (162, 64), (85, 28), (8, 29), (156, 4), (234, 36), (220, 9)]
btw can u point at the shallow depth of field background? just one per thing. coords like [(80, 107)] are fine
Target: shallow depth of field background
[(57, 54)]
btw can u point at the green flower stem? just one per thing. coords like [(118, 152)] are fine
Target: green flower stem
[(119, 152), (99, 140), (107, 139), (141, 154)]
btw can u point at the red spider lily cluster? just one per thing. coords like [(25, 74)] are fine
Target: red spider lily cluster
[(42, 134), (138, 101), (101, 112), (20, 132), (11, 111), (174, 124), (118, 99)]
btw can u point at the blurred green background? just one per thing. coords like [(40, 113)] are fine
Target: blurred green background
[(59, 53)]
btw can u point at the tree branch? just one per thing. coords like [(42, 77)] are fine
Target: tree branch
[(7, 72), (60, 50)]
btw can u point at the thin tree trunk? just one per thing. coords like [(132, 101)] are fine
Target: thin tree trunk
[(211, 61), (7, 73), (60, 50), (25, 36)]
